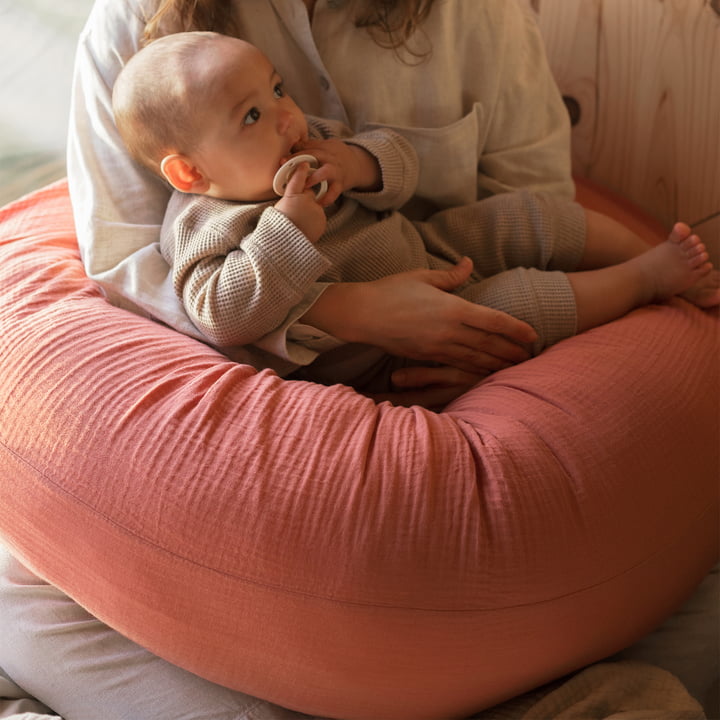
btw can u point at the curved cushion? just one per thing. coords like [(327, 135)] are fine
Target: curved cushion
[(304, 545)]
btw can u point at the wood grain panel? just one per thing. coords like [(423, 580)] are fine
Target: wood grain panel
[(647, 76), (657, 136)]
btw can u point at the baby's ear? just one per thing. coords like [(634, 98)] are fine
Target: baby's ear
[(180, 172)]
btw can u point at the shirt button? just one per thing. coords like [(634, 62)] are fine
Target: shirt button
[(324, 83)]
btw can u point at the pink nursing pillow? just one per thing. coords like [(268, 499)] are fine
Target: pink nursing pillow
[(350, 560)]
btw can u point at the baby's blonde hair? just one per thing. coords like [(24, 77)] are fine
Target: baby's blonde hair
[(156, 95)]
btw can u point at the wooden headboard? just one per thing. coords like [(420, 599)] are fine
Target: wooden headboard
[(644, 76)]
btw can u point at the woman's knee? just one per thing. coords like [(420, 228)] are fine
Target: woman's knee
[(83, 669)]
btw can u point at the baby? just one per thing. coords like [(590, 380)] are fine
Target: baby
[(209, 113)]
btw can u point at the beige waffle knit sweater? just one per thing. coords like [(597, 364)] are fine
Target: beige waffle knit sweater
[(245, 270)]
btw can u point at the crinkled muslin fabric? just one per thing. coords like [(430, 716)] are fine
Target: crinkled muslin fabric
[(353, 560)]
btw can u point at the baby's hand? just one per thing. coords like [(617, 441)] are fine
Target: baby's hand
[(300, 206), (343, 166)]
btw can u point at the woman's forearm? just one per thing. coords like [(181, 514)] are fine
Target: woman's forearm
[(414, 315)]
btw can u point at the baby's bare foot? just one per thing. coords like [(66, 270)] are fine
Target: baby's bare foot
[(680, 266), (705, 291)]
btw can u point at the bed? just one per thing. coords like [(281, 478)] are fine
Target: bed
[(642, 181)]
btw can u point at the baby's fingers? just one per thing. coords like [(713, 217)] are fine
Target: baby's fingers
[(324, 178), (296, 185)]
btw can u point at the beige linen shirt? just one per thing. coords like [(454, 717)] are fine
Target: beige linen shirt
[(481, 110), (242, 268)]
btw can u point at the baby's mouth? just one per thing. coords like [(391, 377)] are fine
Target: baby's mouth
[(298, 145), (292, 150), (295, 148)]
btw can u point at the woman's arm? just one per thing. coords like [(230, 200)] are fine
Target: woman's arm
[(118, 206), (414, 315)]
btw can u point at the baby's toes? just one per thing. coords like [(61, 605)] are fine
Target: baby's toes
[(695, 251), (680, 232)]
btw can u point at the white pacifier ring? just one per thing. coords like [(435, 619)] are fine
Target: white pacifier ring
[(283, 175)]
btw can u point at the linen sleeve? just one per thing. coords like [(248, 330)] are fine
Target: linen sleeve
[(118, 206)]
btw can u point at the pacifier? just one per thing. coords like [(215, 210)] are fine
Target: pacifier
[(283, 175)]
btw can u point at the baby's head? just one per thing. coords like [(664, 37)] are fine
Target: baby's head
[(208, 112), (159, 95)]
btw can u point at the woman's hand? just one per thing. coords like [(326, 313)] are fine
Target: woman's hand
[(414, 315), (430, 387)]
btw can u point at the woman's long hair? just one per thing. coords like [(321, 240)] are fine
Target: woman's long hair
[(392, 23), (174, 16)]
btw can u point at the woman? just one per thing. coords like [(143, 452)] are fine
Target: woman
[(470, 87), (466, 82)]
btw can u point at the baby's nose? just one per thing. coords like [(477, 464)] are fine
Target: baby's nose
[(285, 122)]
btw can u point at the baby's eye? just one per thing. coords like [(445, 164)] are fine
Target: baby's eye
[(252, 116), (279, 90)]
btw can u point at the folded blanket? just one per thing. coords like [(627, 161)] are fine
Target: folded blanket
[(626, 690)]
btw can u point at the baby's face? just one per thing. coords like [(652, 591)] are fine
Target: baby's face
[(250, 125)]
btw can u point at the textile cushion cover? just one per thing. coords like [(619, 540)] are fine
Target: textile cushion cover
[(353, 560)]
